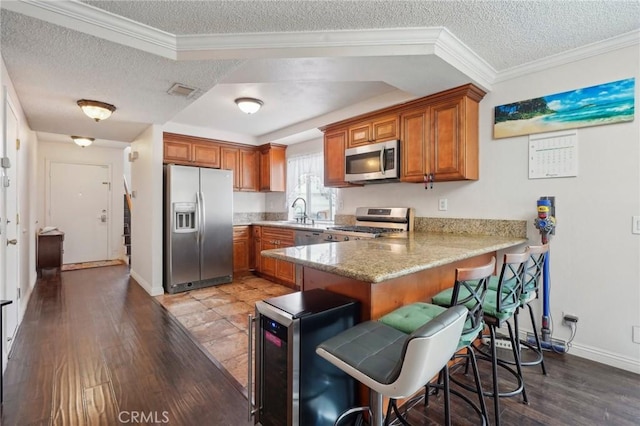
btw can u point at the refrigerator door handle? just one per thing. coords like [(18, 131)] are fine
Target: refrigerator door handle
[(198, 218), (201, 228)]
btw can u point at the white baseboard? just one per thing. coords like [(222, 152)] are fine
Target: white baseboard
[(153, 291), (606, 357), (599, 355)]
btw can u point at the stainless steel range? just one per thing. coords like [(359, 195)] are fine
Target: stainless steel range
[(372, 222)]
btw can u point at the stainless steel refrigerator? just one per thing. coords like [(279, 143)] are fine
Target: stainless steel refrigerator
[(198, 240)]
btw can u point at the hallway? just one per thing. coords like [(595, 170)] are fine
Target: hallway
[(94, 349)]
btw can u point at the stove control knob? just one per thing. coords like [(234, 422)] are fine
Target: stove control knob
[(329, 237), (346, 238)]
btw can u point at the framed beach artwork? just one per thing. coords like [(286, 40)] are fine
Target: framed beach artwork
[(606, 103)]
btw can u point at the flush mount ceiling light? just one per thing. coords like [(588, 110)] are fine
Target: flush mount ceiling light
[(96, 109), (82, 141), (249, 105)]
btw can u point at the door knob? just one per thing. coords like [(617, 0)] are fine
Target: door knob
[(12, 242), (103, 216)]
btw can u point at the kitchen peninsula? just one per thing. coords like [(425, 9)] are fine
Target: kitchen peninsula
[(386, 273)]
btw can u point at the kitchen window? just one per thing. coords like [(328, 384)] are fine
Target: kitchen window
[(305, 178)]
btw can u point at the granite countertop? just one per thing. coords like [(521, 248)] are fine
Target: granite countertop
[(380, 259)]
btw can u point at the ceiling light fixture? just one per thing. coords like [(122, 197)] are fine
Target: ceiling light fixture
[(82, 141), (249, 105), (96, 109)]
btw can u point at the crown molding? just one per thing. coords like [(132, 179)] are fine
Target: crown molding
[(584, 52), (87, 19), (439, 41), (367, 42), (461, 57)]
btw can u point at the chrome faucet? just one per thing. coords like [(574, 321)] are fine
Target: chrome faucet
[(304, 213)]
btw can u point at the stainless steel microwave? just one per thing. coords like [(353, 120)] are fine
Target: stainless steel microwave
[(375, 163)]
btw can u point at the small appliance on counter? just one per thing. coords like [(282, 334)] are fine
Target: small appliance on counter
[(294, 385), (198, 238)]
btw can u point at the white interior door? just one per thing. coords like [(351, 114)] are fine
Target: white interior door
[(79, 206), (12, 278)]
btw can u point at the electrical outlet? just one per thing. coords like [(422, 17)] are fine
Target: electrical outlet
[(443, 204), (568, 319), (635, 228)]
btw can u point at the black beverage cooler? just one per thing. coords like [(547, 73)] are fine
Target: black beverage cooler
[(295, 386)]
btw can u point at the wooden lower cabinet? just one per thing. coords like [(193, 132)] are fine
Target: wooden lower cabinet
[(241, 249), (268, 238)]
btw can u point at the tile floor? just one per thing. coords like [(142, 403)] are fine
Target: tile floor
[(217, 317)]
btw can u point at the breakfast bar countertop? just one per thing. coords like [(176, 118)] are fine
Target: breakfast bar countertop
[(380, 259)]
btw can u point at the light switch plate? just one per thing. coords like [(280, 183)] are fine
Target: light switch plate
[(635, 229), (443, 204)]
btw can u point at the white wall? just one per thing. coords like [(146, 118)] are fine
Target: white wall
[(146, 213), (595, 260), (71, 153)]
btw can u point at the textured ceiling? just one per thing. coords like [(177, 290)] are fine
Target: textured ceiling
[(53, 61), (504, 33)]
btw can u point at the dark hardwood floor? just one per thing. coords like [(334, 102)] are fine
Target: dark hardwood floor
[(94, 348)]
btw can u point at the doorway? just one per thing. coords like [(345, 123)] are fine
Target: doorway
[(79, 205), (10, 242)]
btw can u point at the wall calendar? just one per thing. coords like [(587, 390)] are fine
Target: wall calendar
[(553, 155)]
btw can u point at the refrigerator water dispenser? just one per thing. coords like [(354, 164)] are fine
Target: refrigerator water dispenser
[(184, 217)]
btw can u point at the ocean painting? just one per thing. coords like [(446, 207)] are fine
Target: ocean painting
[(607, 103)]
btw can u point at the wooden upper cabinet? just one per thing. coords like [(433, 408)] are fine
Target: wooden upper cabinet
[(249, 170), (359, 134), (273, 166), (370, 131), (414, 145), (440, 139), (243, 160), (231, 161), (191, 151), (206, 155), (177, 152), (334, 146), (244, 163), (454, 139)]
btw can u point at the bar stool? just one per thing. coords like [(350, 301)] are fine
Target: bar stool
[(392, 363), (469, 290), (530, 292), (499, 306)]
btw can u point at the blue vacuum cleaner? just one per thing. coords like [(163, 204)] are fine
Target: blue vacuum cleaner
[(546, 224)]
